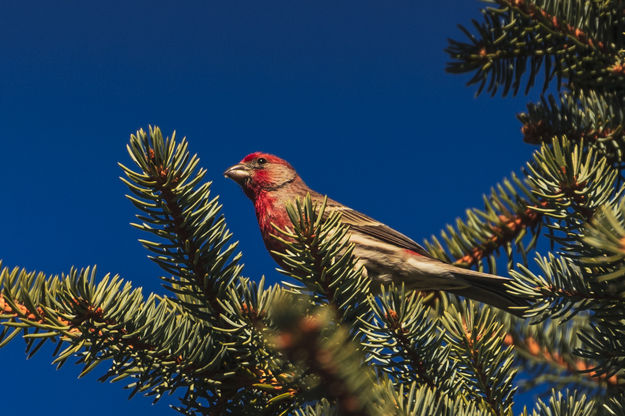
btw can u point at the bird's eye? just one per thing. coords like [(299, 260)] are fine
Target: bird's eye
[(261, 161)]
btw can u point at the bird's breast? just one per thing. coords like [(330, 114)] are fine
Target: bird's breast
[(270, 214)]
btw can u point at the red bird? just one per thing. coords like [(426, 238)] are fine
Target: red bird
[(388, 256)]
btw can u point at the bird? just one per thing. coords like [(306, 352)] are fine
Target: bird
[(387, 255)]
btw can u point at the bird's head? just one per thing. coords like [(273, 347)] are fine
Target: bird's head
[(261, 172)]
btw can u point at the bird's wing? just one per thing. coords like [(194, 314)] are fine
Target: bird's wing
[(367, 225)]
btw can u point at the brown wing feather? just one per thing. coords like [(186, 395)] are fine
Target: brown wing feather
[(367, 225)]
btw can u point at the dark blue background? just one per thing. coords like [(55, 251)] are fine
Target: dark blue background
[(353, 94)]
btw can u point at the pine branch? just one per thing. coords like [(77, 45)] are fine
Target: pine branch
[(529, 347), (320, 256)]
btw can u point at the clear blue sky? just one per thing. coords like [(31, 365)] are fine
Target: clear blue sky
[(353, 94)]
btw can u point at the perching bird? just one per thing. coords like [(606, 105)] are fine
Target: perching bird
[(388, 256)]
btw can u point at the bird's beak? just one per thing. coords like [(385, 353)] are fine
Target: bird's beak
[(238, 173)]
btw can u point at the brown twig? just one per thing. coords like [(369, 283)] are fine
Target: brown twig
[(539, 132), (576, 366), (303, 342), (506, 231)]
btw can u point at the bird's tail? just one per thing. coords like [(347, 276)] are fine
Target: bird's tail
[(490, 289)]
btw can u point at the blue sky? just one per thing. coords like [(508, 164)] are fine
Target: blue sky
[(353, 94)]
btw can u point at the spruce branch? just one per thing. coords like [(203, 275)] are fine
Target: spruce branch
[(327, 351), (509, 229), (485, 365), (564, 289), (564, 182), (605, 261), (615, 405), (320, 256), (604, 242), (567, 184), (574, 40), (154, 342), (509, 216), (205, 276), (573, 182), (321, 408), (569, 404), (547, 355), (580, 186), (415, 400), (192, 240), (410, 400), (151, 341), (406, 342), (597, 120), (588, 24)]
